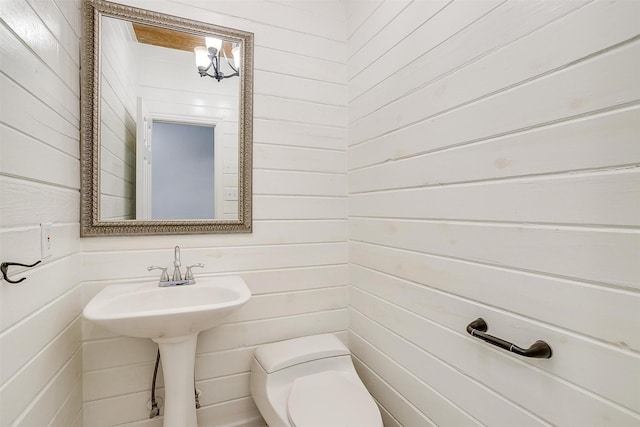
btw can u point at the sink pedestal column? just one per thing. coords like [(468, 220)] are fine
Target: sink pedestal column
[(178, 357)]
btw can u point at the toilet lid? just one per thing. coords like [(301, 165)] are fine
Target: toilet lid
[(330, 399)]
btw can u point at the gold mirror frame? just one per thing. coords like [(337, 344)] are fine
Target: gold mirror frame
[(90, 223)]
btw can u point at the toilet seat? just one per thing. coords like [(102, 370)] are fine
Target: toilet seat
[(331, 399)]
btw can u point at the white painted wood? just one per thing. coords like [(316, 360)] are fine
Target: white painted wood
[(27, 25), (113, 381), (278, 61), (47, 164), (296, 207), (231, 413), (411, 16), (107, 353), (357, 13), (451, 20), (71, 409), (265, 233), (41, 328), (567, 252), (118, 410), (277, 182), (495, 116), (273, 83), (517, 291), (290, 303), (442, 98), (46, 404), (603, 141), (298, 159), (109, 265), (31, 73), (36, 119), (440, 411), (446, 155), (43, 284), (581, 197), (500, 27), (487, 364), (233, 335), (18, 393), (272, 108), (53, 17), (41, 336), (368, 28), (575, 358), (298, 135), (481, 403), (390, 400)]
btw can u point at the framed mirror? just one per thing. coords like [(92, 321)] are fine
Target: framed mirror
[(166, 127)]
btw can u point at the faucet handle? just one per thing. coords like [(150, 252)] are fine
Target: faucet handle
[(164, 277), (189, 274)]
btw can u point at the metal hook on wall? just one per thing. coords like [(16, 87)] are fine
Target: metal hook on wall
[(5, 265)]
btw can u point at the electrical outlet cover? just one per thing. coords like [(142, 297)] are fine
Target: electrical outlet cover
[(46, 240)]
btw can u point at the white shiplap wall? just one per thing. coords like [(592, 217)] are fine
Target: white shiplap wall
[(295, 261), (493, 172), (40, 325)]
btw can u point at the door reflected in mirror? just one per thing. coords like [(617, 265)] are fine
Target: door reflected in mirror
[(166, 127)]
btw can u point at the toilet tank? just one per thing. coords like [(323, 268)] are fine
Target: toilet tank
[(285, 354)]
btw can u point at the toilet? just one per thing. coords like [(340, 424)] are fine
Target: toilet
[(310, 382)]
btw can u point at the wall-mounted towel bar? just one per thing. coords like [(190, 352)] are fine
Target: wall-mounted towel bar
[(5, 265), (538, 349)]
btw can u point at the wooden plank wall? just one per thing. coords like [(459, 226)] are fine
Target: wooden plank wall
[(40, 325), (493, 172), (295, 261)]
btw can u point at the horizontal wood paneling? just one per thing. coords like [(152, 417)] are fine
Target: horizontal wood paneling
[(283, 157), (22, 389), (41, 338), (605, 314), (500, 36), (405, 414), (581, 198), (575, 358), (297, 135), (493, 172), (603, 141), (567, 252)]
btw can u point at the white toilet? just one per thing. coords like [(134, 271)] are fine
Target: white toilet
[(310, 382)]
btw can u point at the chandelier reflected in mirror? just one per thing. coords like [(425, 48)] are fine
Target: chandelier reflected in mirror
[(208, 59)]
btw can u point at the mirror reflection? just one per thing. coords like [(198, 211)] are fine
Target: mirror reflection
[(169, 104)]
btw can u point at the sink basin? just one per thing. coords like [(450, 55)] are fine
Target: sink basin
[(172, 317), (145, 310)]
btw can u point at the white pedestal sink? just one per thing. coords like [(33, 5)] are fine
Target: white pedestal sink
[(172, 317)]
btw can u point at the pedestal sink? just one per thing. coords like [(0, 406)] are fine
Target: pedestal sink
[(172, 317)]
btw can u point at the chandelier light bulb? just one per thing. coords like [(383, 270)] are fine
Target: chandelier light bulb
[(202, 56), (236, 57), (213, 42)]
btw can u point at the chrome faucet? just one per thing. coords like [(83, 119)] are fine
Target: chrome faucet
[(177, 279), (176, 264)]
